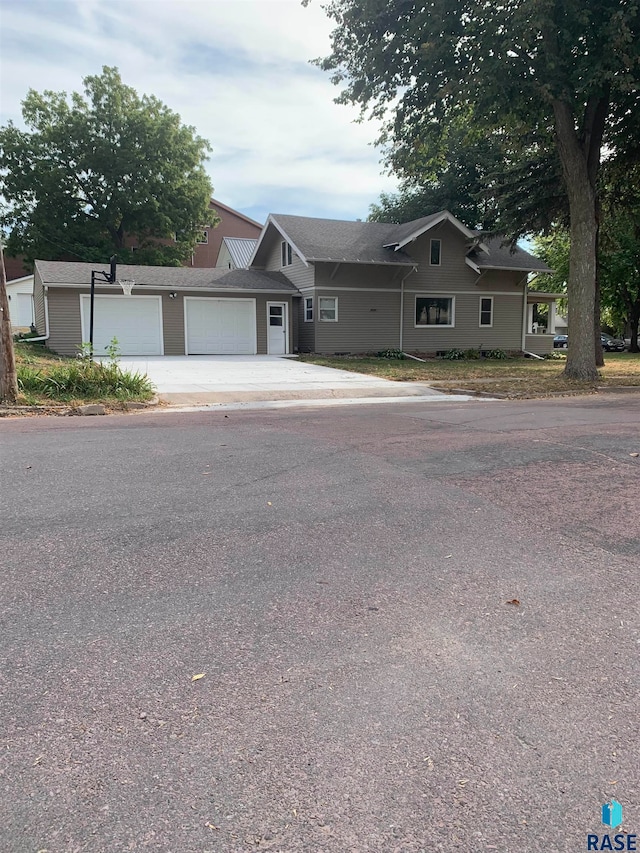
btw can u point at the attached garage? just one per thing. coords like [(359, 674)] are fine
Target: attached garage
[(135, 321), (220, 326)]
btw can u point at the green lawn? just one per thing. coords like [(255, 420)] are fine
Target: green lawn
[(515, 377)]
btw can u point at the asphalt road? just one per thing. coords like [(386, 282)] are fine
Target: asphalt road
[(417, 625)]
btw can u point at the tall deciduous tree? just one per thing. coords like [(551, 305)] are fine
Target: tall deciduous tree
[(523, 68), (92, 170)]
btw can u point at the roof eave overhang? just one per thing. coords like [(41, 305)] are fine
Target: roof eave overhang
[(515, 269), (445, 216), (370, 263), (272, 221), (170, 287)]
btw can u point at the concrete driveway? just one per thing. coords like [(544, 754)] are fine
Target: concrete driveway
[(193, 380)]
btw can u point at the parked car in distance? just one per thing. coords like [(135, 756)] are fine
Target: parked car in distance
[(611, 344)]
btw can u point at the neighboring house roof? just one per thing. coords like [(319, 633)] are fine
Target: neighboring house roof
[(344, 241), (240, 249), (215, 204), (67, 274)]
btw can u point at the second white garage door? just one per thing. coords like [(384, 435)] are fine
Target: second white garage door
[(220, 326)]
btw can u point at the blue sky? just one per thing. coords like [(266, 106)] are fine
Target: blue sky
[(237, 70)]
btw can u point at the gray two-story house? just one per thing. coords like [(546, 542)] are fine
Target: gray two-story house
[(313, 285), (425, 286)]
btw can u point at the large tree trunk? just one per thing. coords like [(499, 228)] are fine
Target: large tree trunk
[(634, 323), (581, 289), (8, 376), (597, 342)]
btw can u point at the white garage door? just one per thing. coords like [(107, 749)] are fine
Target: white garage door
[(136, 322), (220, 326)]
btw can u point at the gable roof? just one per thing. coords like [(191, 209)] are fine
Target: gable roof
[(69, 274), (336, 240), (381, 243), (409, 231), (240, 249)]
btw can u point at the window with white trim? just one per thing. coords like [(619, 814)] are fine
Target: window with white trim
[(286, 256), (308, 309), (486, 311), (328, 309), (435, 251), (202, 238), (435, 311)]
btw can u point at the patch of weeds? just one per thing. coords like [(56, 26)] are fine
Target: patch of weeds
[(391, 353)]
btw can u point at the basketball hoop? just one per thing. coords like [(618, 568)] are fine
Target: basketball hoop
[(127, 285)]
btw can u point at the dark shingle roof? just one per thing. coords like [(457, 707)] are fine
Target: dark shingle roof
[(341, 240), (180, 278), (504, 258), (363, 242), (404, 231)]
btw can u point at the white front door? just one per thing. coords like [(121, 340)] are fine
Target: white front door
[(277, 328)]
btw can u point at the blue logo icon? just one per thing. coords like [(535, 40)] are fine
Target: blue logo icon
[(612, 814)]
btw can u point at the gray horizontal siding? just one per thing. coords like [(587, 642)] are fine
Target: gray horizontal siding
[(367, 321), (38, 304), (453, 272), (66, 330), (367, 276), (306, 331), (506, 332), (539, 344), (297, 273)]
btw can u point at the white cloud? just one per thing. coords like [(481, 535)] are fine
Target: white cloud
[(235, 69)]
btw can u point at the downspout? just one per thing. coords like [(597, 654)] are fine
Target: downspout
[(524, 317), (404, 278), (45, 337)]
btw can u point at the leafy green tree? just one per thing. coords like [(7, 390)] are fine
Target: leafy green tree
[(547, 77), (620, 247), (96, 170)]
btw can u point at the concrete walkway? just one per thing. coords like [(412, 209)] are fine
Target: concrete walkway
[(206, 380)]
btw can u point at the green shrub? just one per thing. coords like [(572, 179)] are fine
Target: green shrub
[(454, 354), (498, 354), (391, 353), (554, 355), (472, 354), (83, 379)]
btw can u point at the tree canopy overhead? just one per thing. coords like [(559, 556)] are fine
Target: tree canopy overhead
[(547, 78), (93, 170)]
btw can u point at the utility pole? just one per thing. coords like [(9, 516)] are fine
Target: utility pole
[(8, 376)]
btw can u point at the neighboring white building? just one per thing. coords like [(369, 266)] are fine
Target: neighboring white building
[(235, 253), (20, 295)]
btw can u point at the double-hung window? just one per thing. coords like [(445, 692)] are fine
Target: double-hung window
[(486, 311), (308, 309), (328, 308), (286, 256)]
